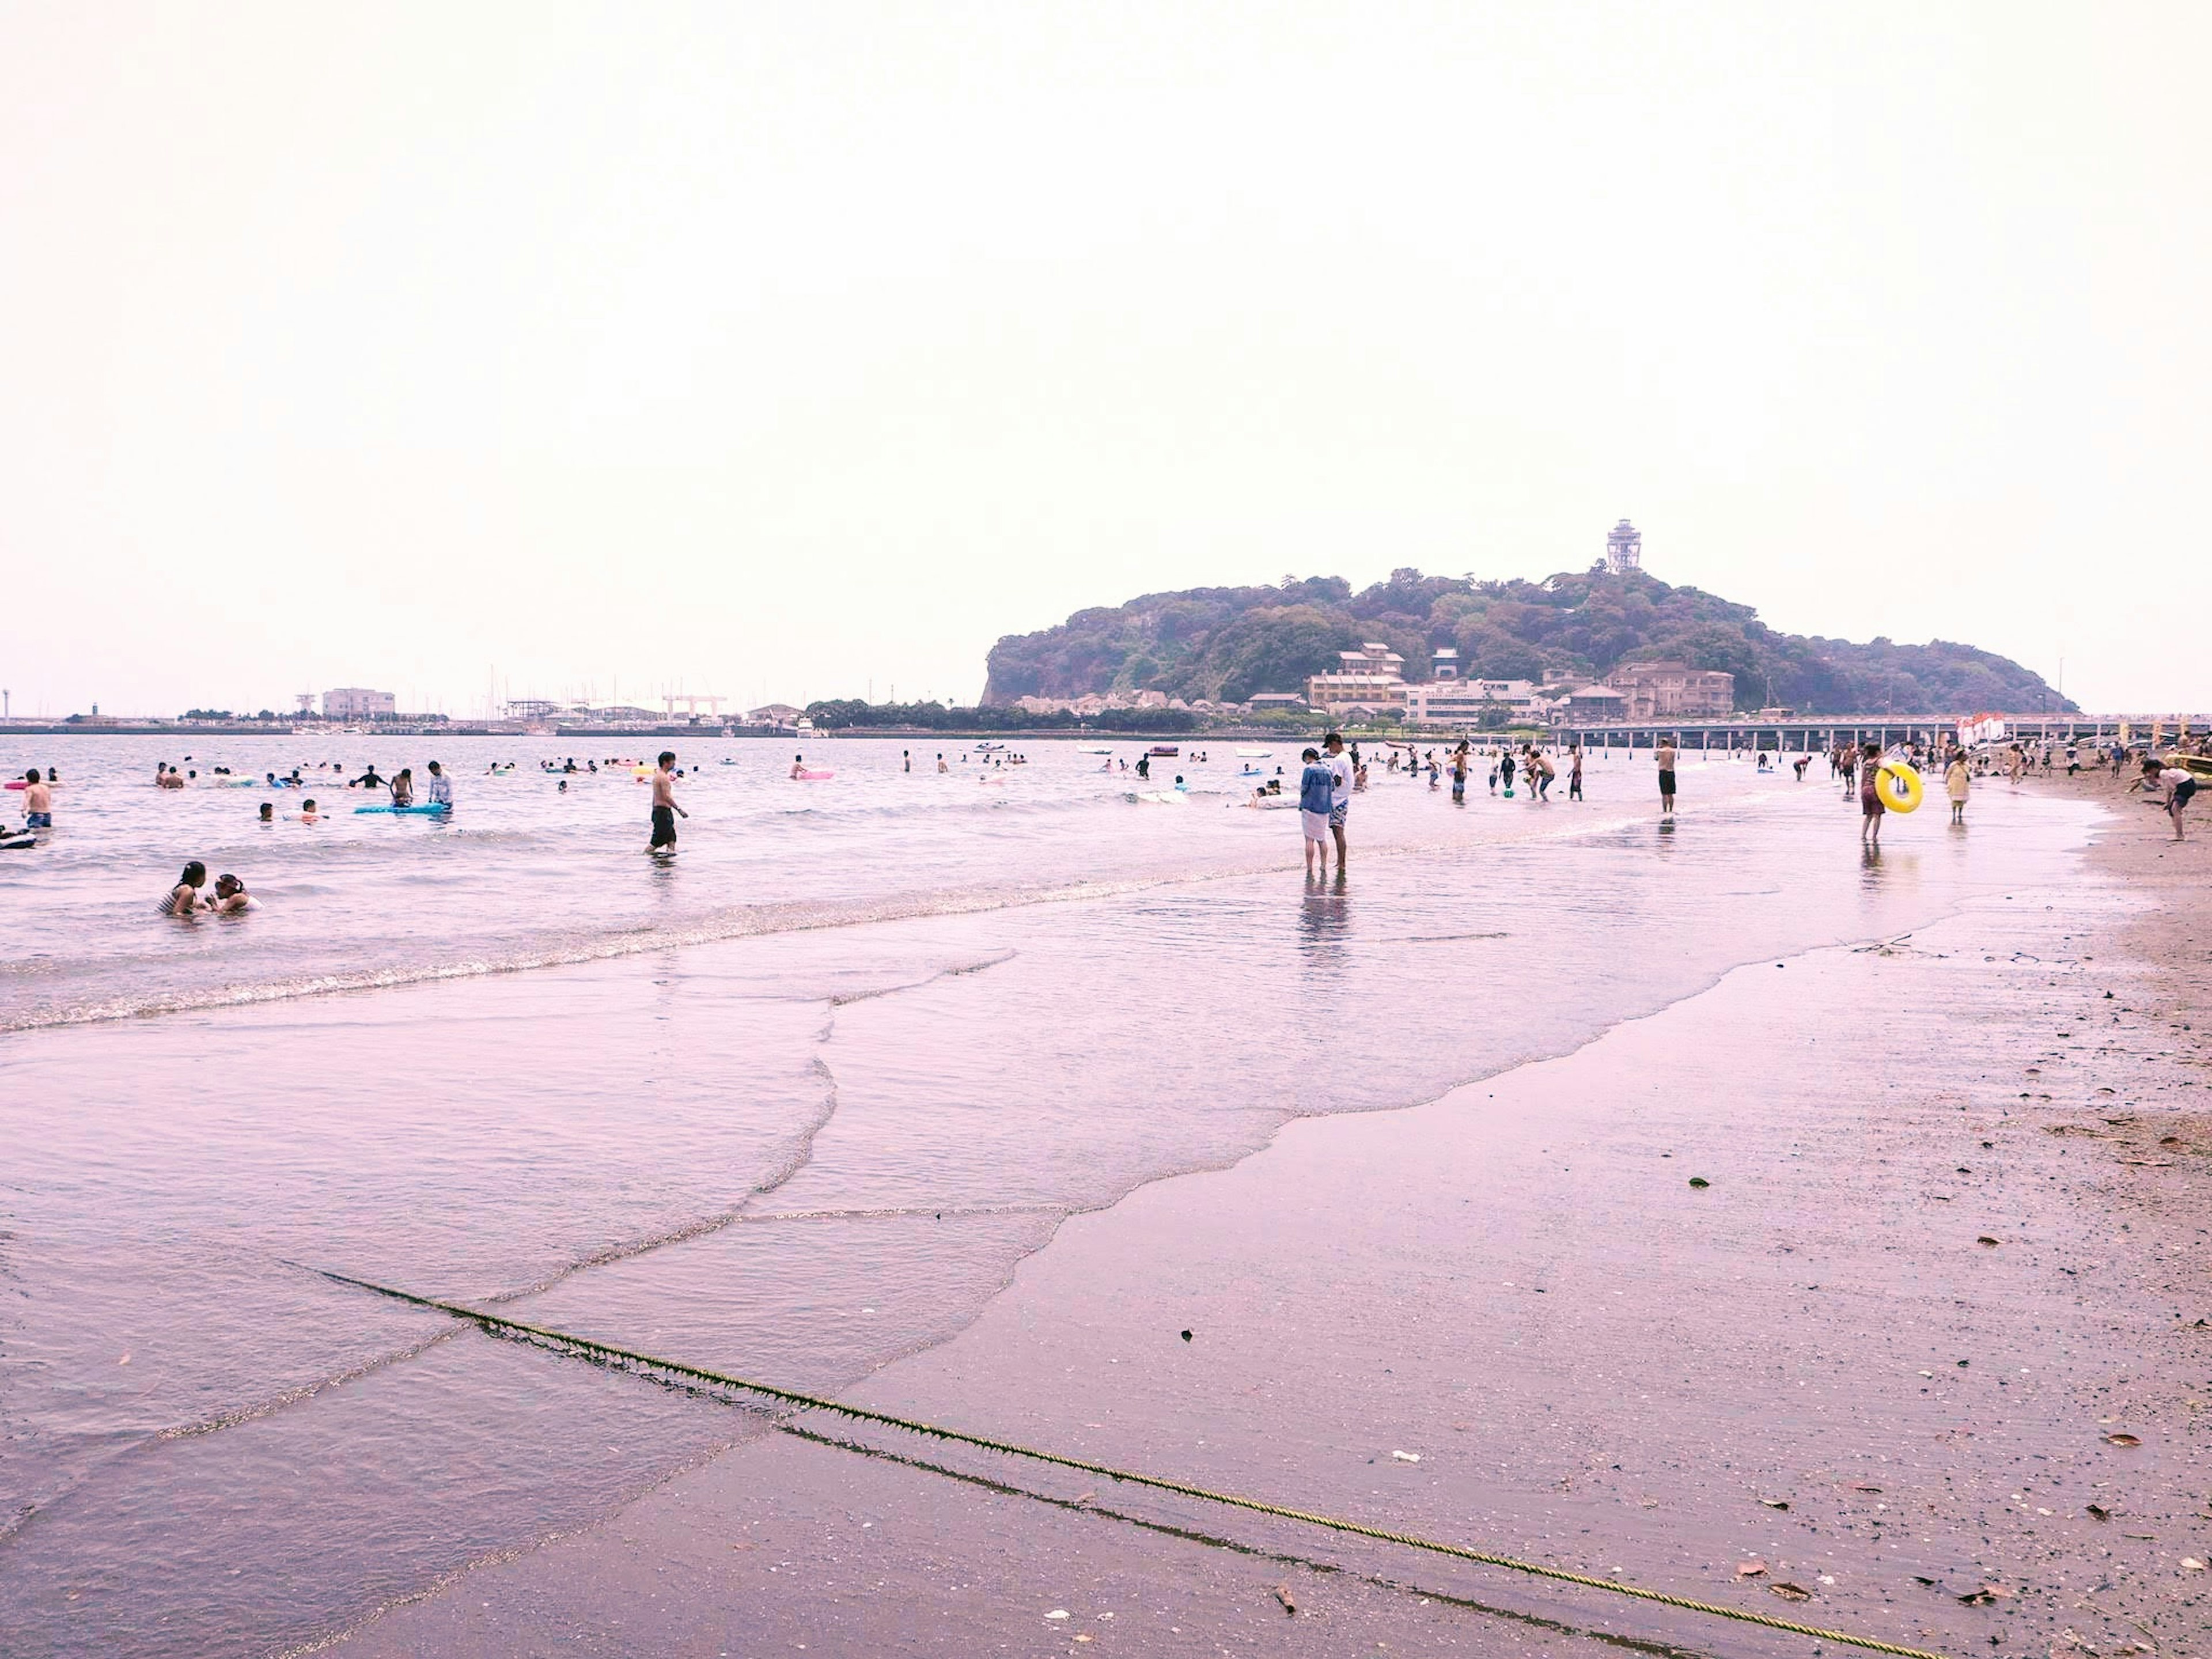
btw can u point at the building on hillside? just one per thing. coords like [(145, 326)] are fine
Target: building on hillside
[(1444, 662), (1663, 690), (1596, 703), (1371, 680), (1464, 702), (1623, 548), (354, 702), (1260, 701)]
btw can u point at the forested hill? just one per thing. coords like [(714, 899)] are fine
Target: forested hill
[(1227, 643)]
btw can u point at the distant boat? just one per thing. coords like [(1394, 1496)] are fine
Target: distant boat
[(1253, 754), (805, 727), (1167, 750), (1087, 750), (986, 748)]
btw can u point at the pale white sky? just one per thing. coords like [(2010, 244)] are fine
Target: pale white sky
[(782, 349)]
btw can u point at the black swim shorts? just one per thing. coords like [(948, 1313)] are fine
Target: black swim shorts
[(663, 826)]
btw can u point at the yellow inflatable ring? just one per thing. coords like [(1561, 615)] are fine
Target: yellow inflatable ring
[(1898, 786)]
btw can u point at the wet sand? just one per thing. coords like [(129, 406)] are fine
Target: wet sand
[(1597, 1364)]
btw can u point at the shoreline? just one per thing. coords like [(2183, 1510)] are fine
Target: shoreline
[(1360, 1194)]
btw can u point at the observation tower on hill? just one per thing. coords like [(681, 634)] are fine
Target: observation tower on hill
[(1623, 548)]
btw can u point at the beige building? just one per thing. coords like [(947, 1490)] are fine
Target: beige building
[(1596, 703), (1373, 677), (356, 703), (1666, 690)]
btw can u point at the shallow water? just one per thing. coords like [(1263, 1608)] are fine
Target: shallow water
[(794, 1104)]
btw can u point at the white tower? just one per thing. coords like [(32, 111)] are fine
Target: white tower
[(1623, 548)]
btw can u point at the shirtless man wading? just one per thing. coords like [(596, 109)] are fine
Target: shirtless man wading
[(665, 812)]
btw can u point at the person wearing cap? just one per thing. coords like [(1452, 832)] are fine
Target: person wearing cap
[(230, 895)]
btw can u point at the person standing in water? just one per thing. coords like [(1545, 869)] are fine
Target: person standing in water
[(38, 801), (1339, 771), (1872, 807), (439, 791), (402, 786), (1666, 759), (1316, 797), (1505, 771), (665, 812), (1956, 782), (1575, 773)]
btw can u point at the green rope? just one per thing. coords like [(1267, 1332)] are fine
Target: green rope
[(606, 1351)]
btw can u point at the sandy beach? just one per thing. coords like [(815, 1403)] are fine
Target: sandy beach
[(1925, 1361)]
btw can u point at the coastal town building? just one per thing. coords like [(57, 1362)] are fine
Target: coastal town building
[(1595, 702), (1464, 702), (354, 702), (773, 713), (1371, 680), (1444, 662), (1259, 701), (1662, 691)]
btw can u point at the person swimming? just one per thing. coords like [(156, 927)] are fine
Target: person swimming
[(231, 898)]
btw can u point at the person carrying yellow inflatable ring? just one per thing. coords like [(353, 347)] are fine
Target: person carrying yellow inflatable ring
[(1899, 785), (1885, 786)]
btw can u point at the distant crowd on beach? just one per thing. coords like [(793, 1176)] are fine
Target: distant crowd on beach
[(1881, 780)]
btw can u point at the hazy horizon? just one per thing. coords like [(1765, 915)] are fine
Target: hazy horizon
[(803, 353)]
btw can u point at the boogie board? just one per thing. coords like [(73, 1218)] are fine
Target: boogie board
[(406, 811)]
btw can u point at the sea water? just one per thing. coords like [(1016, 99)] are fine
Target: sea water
[(790, 1105)]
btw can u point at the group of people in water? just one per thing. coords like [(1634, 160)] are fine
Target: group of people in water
[(1330, 775)]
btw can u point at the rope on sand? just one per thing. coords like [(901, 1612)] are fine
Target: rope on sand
[(608, 1353)]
